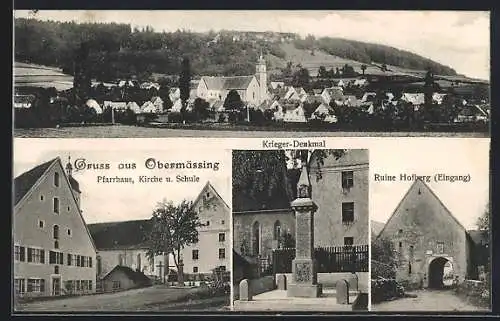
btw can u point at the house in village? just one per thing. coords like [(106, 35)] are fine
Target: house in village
[(150, 85), (294, 113), (324, 113), (252, 89), (91, 103), (132, 105), (158, 103), (214, 246), (261, 226), (174, 93), (332, 93), (416, 99), (23, 101), (124, 278), (148, 107), (368, 97), (277, 84), (116, 105), (54, 253), (425, 250), (295, 93)]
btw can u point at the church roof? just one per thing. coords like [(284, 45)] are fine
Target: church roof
[(228, 83), (120, 235)]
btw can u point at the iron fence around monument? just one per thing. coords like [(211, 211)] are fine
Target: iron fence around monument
[(330, 259)]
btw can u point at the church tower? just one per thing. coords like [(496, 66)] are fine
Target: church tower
[(262, 78)]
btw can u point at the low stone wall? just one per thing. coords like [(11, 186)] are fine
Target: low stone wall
[(328, 280), (257, 286), (475, 292)]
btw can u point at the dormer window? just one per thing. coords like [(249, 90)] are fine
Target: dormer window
[(56, 179)]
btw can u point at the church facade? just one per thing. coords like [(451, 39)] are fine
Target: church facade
[(252, 88)]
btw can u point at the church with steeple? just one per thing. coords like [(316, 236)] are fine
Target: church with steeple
[(252, 89)]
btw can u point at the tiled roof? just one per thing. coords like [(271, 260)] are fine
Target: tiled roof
[(119, 235), (138, 277), (24, 182), (228, 83)]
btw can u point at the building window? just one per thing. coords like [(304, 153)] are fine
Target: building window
[(56, 232), (41, 197), (400, 245), (70, 259), (195, 269), (56, 269), (116, 285), (56, 205), (36, 285), (208, 223), (348, 241), (440, 247), (347, 213), (20, 286), (19, 253), (409, 268), (411, 252), (99, 265), (56, 244), (56, 257), (347, 179), (68, 209), (222, 222), (56, 179), (69, 232), (222, 237), (222, 253), (41, 223), (195, 254), (90, 285), (256, 238), (36, 255), (277, 230)]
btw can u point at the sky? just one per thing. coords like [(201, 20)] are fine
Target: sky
[(459, 39), (121, 201), (428, 156)]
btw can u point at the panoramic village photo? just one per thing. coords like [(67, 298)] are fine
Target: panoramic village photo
[(95, 231), (280, 73), (300, 230), (430, 226)]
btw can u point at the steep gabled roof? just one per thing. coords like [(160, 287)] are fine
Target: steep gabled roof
[(120, 235), (413, 186), (209, 186), (25, 182)]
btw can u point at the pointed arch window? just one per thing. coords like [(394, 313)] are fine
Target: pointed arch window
[(277, 230)]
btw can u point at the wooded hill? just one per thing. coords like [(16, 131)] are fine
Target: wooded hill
[(117, 51)]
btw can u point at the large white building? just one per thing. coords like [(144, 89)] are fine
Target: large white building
[(252, 89), (53, 251)]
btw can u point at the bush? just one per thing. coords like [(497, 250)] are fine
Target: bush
[(385, 289), (476, 292)]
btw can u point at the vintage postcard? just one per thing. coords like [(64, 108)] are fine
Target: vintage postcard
[(430, 224), (120, 230), (251, 73)]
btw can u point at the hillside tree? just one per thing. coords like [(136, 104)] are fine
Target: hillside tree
[(233, 101), (82, 80), (174, 227)]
